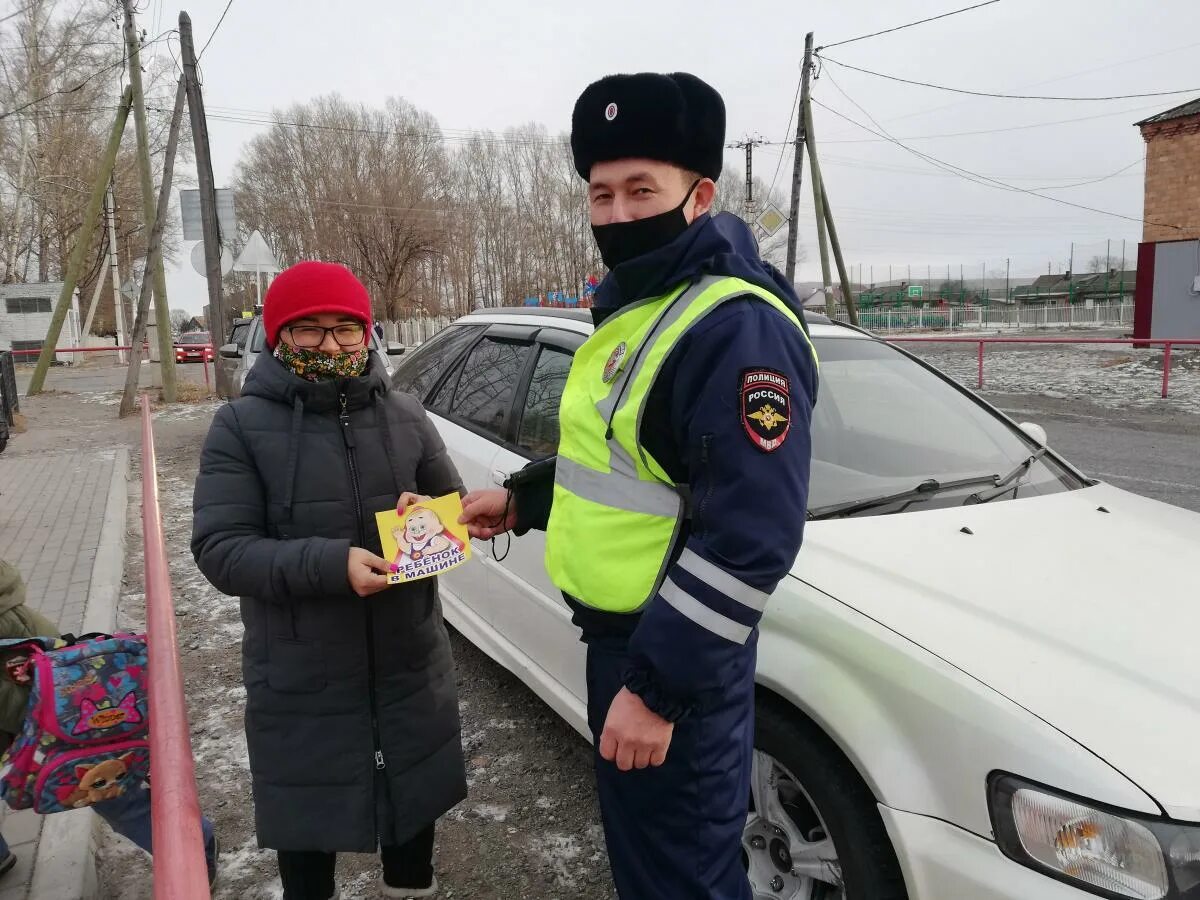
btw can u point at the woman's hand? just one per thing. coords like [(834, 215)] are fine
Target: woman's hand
[(367, 572), (407, 499), (488, 513)]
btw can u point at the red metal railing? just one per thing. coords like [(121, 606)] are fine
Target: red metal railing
[(73, 350), (179, 868), (1166, 344)]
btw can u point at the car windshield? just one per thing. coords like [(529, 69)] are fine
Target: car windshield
[(884, 424), (198, 337)]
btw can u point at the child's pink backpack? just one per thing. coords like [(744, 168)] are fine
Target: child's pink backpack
[(84, 736)]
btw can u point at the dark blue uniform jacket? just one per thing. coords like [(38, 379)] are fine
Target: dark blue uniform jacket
[(713, 421)]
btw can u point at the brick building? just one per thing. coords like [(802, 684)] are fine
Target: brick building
[(1167, 299), (1172, 173)]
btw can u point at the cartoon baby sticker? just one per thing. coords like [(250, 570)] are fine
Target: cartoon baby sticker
[(421, 536)]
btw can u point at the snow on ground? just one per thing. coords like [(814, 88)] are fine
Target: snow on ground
[(1111, 376)]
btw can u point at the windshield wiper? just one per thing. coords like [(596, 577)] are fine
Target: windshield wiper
[(1008, 482), (922, 491)]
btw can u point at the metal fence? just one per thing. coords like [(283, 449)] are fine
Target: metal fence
[(10, 402), (1000, 317), (179, 867), (411, 332)]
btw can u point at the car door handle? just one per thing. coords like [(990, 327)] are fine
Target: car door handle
[(499, 476)]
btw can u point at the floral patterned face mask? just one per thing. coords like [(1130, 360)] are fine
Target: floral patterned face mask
[(313, 365)]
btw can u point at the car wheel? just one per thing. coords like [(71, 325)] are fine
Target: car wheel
[(813, 831)]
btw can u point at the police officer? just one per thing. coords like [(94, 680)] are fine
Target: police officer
[(677, 500)]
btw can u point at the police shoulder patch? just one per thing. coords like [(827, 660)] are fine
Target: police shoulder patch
[(766, 407)]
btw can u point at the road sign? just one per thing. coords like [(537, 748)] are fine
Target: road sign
[(771, 219), (916, 290), (189, 211), (198, 259), (256, 256)]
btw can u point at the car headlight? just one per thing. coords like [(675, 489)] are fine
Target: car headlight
[(1109, 852)]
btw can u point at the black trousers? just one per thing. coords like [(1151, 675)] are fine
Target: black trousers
[(308, 874)]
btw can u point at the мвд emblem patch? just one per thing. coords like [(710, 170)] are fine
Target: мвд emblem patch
[(766, 407)]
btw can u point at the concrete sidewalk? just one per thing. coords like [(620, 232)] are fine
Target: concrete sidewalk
[(62, 522)]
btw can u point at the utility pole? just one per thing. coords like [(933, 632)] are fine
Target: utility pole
[(748, 145), (818, 202), (154, 269), (83, 237), (798, 162), (847, 290), (1007, 279), (208, 191), (153, 255), (110, 231)]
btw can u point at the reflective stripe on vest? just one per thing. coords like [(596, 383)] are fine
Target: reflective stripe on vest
[(616, 513)]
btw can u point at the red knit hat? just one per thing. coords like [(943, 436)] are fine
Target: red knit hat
[(309, 289)]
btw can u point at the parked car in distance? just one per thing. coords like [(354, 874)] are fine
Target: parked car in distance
[(979, 680), (193, 346), (247, 339)]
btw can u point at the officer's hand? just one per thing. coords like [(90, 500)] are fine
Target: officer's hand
[(484, 513), (633, 736), (366, 572)]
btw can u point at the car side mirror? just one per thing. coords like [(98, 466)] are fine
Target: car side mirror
[(230, 351), (1035, 431), (395, 348)]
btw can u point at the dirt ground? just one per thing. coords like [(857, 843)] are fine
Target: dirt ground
[(529, 827)]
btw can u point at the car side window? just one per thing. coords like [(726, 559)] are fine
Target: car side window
[(539, 417), (488, 383), (240, 333), (257, 337), (420, 369)]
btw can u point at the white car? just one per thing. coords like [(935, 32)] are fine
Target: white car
[(993, 696)]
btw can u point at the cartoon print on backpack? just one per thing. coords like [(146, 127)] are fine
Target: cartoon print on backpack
[(99, 716), (103, 781)]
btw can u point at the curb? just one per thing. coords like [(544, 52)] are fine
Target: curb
[(65, 865)]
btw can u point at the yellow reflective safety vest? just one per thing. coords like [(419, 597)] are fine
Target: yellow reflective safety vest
[(616, 514)]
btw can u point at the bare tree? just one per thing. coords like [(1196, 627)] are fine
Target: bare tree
[(61, 63)]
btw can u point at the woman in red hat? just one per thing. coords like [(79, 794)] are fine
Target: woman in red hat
[(351, 707)]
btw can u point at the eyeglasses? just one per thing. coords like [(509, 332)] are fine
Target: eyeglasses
[(310, 336)]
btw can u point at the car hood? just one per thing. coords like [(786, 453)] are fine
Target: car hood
[(1079, 606)]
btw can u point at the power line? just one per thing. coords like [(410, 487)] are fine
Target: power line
[(786, 132), (863, 37), (1076, 183), (71, 90), (985, 180), (214, 31), (1107, 67), (954, 90), (447, 135)]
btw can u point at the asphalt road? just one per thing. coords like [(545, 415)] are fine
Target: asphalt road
[(1150, 453)]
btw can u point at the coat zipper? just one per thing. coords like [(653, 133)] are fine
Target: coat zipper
[(698, 517), (348, 437)]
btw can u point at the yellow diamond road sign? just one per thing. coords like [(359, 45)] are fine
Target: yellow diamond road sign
[(771, 219)]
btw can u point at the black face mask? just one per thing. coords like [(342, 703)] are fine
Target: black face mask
[(622, 241)]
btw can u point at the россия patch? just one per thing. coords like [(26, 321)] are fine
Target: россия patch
[(766, 407)]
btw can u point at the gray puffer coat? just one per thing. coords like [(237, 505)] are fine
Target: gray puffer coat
[(351, 706)]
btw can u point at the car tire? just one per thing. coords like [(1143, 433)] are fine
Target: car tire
[(832, 801)]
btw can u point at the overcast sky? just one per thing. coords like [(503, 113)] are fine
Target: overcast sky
[(491, 65)]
